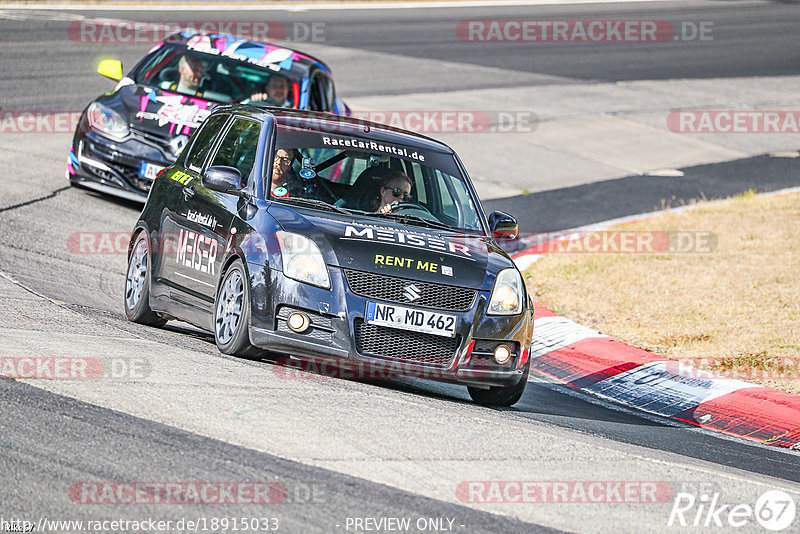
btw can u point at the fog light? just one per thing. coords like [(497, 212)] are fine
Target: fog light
[(502, 354), (299, 322)]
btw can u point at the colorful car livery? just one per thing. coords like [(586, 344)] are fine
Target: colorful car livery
[(125, 137)]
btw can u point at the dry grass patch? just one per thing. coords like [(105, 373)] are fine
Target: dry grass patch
[(734, 311)]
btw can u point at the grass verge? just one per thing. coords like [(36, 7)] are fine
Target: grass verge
[(716, 286)]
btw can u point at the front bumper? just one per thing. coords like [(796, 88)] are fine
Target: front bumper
[(338, 333), (112, 167)]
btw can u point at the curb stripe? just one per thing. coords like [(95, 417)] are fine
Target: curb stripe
[(757, 413), (540, 312), (592, 360), (557, 332), (606, 367), (657, 388)]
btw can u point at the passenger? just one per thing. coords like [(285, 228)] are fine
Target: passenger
[(395, 188), (285, 182), (275, 93)]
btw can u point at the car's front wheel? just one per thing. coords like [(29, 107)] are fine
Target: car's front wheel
[(500, 395), (137, 286), (232, 313)]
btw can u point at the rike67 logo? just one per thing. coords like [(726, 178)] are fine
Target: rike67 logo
[(774, 510)]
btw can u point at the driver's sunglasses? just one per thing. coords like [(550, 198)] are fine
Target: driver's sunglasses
[(284, 161), (399, 193)]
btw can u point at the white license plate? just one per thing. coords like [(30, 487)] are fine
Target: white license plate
[(428, 322), (149, 170)]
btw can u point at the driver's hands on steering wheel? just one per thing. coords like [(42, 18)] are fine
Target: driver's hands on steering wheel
[(388, 207), (262, 97)]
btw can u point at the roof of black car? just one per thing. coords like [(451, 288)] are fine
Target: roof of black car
[(323, 123)]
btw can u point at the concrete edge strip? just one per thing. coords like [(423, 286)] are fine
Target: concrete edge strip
[(587, 360), (178, 5)]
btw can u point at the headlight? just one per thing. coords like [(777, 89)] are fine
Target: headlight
[(302, 260), (106, 120), (508, 294)]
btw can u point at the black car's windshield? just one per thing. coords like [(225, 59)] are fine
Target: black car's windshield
[(377, 179), (221, 78)]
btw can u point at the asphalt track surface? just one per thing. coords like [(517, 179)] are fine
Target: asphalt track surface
[(572, 207), (749, 39), (51, 441), (99, 432)]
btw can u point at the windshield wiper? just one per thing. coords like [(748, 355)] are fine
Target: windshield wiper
[(317, 203), (403, 217)]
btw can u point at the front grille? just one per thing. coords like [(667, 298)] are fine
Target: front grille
[(100, 173), (416, 347), (132, 175), (382, 287), (127, 167), (158, 138)]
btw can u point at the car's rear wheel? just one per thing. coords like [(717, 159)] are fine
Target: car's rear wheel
[(137, 286), (500, 395), (232, 313)]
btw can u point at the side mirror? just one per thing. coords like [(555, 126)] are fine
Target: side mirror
[(110, 68), (223, 179), (503, 226)]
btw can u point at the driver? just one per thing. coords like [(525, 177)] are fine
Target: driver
[(191, 72), (395, 188), (275, 93)]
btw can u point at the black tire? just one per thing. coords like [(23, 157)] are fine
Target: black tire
[(137, 285), (499, 395), (231, 329)]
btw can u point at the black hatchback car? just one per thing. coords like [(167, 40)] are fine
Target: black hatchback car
[(126, 136), (328, 238)]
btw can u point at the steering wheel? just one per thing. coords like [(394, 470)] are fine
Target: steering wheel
[(413, 206)]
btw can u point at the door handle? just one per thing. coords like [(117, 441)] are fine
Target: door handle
[(188, 192)]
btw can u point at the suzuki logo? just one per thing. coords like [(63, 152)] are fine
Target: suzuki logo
[(411, 293)]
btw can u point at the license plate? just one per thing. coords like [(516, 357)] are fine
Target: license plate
[(149, 170), (428, 322)]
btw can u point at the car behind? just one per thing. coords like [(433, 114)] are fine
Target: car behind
[(128, 135)]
